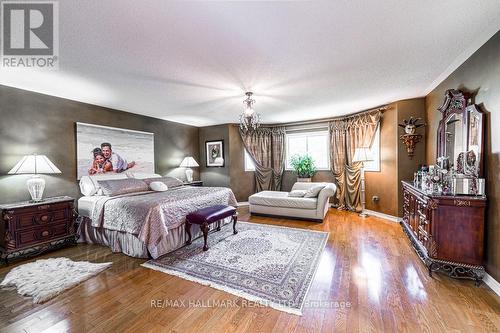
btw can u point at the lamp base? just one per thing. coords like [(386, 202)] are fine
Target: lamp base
[(36, 186), (189, 174)]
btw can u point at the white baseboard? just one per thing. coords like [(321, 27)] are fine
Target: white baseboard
[(492, 283), (243, 204), (382, 215)]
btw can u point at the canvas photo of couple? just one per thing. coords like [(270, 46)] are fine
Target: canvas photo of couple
[(102, 150), (105, 160)]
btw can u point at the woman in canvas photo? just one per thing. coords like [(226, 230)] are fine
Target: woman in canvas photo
[(99, 164), (105, 160)]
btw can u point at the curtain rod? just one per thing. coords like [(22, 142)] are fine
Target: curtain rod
[(324, 120)]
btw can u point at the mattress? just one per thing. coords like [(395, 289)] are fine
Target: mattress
[(86, 205)]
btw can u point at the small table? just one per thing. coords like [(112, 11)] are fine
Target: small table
[(206, 216), (29, 228)]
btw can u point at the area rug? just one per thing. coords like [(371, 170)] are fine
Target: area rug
[(46, 278), (269, 265)]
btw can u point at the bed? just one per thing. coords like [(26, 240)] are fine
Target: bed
[(146, 223)]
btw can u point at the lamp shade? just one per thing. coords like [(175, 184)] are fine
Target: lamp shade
[(362, 154), (189, 162), (34, 164)]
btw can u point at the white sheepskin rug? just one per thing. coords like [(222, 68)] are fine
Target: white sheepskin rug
[(46, 278)]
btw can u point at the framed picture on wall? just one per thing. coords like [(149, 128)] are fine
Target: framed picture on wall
[(214, 150), (102, 149)]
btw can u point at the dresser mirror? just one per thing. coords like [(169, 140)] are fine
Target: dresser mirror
[(474, 141), (460, 134), (454, 136)]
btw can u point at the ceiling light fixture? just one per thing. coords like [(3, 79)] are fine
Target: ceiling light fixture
[(249, 119)]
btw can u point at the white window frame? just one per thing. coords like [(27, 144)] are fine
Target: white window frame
[(246, 160), (305, 133), (374, 166)]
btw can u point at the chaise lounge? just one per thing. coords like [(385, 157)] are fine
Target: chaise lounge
[(285, 204)]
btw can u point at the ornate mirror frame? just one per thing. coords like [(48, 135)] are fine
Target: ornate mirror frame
[(458, 102)]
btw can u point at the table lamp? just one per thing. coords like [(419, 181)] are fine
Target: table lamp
[(35, 165), (188, 163), (362, 154)]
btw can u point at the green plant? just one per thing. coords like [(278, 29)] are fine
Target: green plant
[(303, 165)]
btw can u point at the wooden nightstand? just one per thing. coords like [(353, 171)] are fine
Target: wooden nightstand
[(194, 183), (28, 228)]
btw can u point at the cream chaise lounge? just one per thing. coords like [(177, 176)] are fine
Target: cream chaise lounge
[(280, 204)]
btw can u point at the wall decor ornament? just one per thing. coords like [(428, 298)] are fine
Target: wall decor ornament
[(410, 141), (411, 125), (410, 138)]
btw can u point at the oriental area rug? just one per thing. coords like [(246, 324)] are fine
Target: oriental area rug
[(270, 265)]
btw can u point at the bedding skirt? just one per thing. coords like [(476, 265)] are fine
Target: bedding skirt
[(130, 244)]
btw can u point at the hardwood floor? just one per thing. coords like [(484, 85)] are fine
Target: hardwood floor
[(368, 267)]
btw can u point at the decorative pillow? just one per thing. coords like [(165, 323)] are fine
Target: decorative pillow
[(297, 193), (313, 192), (158, 186), (171, 182), (122, 186), (142, 175), (89, 184)]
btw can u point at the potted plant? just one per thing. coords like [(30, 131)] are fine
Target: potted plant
[(303, 165)]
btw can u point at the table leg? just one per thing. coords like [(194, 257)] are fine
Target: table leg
[(188, 230), (204, 229), (235, 219)]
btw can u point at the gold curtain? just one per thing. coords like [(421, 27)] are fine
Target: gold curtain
[(347, 134), (266, 147)]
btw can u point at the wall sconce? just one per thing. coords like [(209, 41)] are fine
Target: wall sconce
[(410, 141)]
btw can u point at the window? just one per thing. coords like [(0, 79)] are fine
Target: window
[(312, 143), (375, 150), (249, 165)]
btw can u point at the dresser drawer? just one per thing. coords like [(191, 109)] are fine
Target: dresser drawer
[(41, 234), (40, 218)]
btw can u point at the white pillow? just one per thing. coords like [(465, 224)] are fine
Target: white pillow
[(313, 192), (158, 186), (142, 175), (297, 193), (89, 185)]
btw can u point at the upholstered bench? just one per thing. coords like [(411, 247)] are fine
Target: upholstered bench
[(206, 216)]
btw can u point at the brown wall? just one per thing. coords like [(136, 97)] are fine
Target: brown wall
[(384, 183), (406, 167), (480, 74), (214, 176), (37, 123), (395, 165), (242, 182)]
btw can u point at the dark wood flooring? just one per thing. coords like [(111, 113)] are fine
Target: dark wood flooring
[(367, 264)]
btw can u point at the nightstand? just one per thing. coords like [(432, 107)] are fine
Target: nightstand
[(30, 228), (194, 183)]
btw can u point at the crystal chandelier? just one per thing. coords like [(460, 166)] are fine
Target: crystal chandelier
[(249, 119)]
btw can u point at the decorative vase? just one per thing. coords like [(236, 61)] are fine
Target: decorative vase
[(304, 180)]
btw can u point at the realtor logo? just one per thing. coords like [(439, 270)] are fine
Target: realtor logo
[(30, 31)]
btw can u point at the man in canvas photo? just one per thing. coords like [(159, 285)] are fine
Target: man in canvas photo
[(119, 163)]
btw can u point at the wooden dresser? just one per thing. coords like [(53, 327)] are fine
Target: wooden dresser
[(447, 232), (30, 228)]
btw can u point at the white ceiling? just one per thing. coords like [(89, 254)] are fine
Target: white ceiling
[(191, 62)]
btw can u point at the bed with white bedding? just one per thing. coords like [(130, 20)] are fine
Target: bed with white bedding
[(147, 223)]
